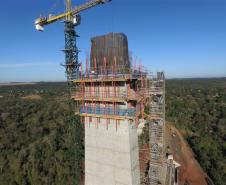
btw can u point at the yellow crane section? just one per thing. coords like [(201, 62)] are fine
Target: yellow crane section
[(68, 15)]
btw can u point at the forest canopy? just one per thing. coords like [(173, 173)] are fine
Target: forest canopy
[(40, 142)]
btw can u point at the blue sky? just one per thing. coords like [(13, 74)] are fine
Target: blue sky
[(184, 38)]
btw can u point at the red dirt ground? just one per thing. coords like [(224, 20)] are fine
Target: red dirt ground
[(190, 172)]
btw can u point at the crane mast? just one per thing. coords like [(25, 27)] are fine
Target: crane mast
[(68, 9), (72, 19)]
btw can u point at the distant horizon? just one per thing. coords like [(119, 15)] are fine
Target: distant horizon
[(177, 78)]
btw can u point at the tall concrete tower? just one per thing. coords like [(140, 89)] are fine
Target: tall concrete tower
[(109, 105), (117, 100)]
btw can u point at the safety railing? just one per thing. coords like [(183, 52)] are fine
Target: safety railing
[(156, 133), (156, 151), (111, 72), (101, 94), (107, 111), (155, 109)]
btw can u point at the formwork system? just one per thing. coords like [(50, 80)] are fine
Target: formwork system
[(109, 103), (104, 94)]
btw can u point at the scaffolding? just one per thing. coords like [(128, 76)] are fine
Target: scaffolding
[(156, 131), (152, 88)]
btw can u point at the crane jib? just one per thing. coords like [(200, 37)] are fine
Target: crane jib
[(43, 21)]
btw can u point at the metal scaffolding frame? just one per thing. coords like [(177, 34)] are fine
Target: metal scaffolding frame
[(157, 129)]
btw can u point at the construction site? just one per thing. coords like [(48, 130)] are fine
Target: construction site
[(121, 104)]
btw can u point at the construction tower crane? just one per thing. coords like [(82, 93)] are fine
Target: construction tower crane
[(71, 18)]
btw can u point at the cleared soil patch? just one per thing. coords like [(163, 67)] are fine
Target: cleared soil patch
[(190, 172), (31, 97)]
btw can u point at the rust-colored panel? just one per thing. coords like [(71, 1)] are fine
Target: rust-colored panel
[(108, 51)]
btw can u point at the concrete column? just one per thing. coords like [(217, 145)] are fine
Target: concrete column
[(111, 153)]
